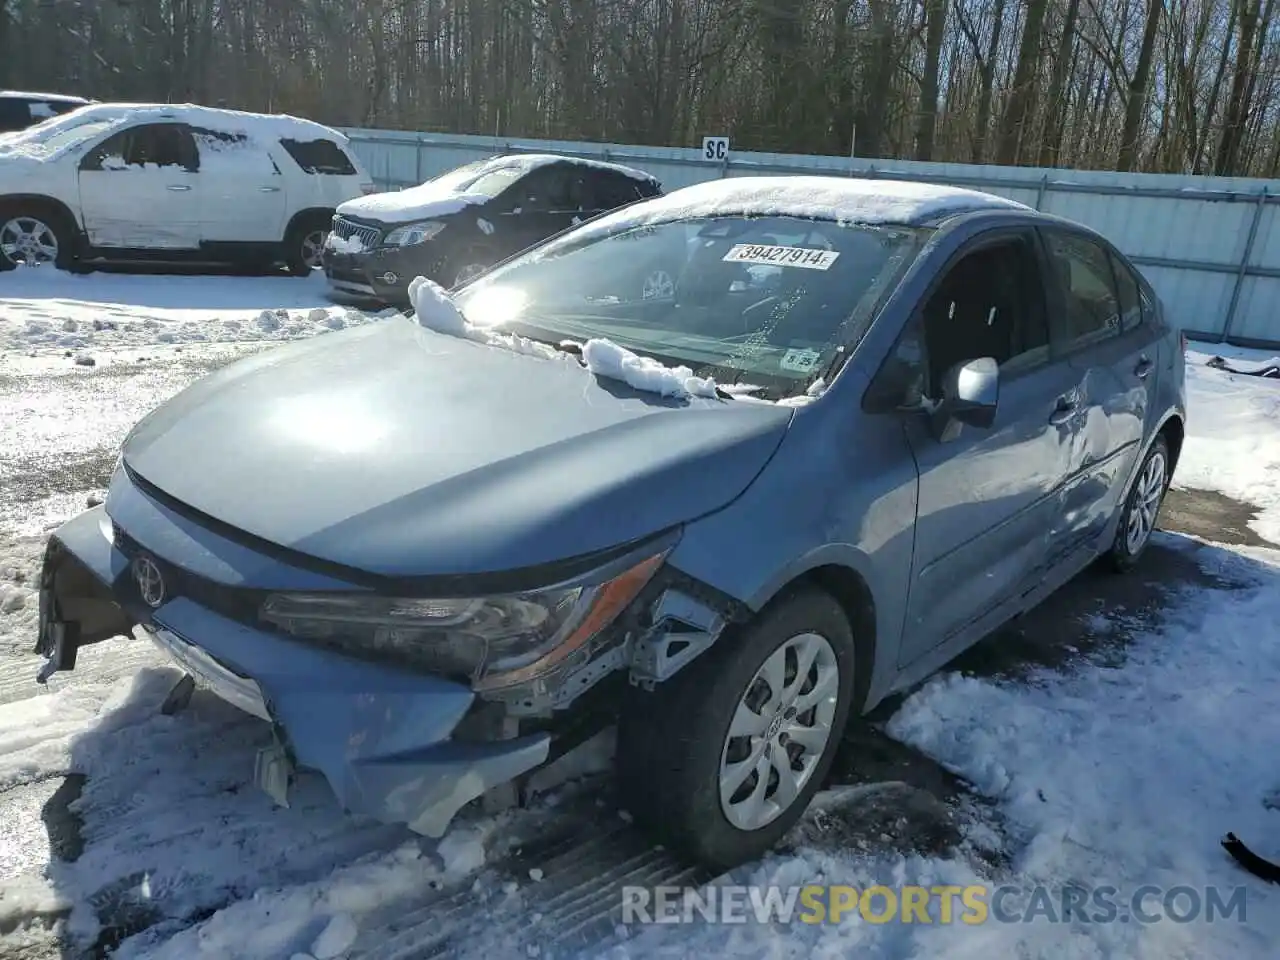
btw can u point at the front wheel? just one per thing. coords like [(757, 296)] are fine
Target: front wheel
[(723, 759), (33, 238), (1141, 508)]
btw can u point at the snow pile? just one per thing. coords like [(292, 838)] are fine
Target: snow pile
[(605, 358), (344, 244), (49, 311), (1236, 448), (435, 310)]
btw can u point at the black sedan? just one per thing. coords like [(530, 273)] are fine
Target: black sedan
[(456, 226)]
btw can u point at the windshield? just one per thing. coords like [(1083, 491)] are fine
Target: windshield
[(774, 302), (50, 136), (480, 177)]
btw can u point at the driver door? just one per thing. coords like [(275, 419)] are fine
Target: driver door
[(138, 189), (987, 498)]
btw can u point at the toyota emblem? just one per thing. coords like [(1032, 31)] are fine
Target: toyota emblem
[(150, 581)]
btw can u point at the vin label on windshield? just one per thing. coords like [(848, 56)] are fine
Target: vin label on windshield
[(809, 259)]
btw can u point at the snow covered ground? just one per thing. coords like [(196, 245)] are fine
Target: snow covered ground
[(123, 828)]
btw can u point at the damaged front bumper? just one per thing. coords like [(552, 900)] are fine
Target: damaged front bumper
[(384, 738)]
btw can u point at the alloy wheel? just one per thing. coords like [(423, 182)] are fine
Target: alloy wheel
[(29, 241), (1148, 493), (779, 731), (313, 248)]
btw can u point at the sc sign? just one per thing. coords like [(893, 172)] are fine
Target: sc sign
[(715, 148)]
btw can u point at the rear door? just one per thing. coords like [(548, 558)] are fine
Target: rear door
[(240, 190), (987, 497), (1100, 326), (138, 189), (607, 190)]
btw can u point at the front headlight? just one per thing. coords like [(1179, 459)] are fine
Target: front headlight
[(493, 642), (412, 234)]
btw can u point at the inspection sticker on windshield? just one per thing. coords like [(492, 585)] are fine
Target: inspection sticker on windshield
[(810, 259), (800, 361)]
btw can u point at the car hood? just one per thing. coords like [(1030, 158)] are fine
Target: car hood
[(400, 451)]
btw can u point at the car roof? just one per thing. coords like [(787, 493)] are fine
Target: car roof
[(268, 126), (533, 161), (47, 97), (843, 199)]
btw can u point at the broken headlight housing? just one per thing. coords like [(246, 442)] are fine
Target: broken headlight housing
[(493, 642)]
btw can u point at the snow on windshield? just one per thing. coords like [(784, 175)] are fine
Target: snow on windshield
[(436, 310)]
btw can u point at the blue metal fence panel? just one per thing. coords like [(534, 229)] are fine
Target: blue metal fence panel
[(1209, 245)]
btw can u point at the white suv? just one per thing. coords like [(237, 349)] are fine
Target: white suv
[(173, 183)]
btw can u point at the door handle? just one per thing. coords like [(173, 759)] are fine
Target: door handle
[(1064, 409), (179, 187), (1143, 369), (268, 189)]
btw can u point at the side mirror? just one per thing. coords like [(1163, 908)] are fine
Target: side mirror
[(970, 394)]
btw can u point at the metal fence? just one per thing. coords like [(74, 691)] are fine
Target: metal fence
[(1209, 245)]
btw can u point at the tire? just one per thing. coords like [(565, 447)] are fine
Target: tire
[(304, 245), (1141, 508), (673, 741), (54, 235)]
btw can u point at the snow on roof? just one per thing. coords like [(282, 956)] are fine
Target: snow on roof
[(447, 193), (50, 97), (838, 198), (258, 125), (532, 161)]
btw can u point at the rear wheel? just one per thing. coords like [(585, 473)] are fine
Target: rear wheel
[(722, 760), (304, 247), (1141, 507), (34, 237)]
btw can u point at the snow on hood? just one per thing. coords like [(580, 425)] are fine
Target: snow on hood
[(424, 202), (435, 310)]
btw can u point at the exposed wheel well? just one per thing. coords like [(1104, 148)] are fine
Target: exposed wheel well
[(849, 590), (308, 217), (55, 208), (1174, 432)]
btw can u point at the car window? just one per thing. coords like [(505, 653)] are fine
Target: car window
[(549, 189), (991, 303), (769, 301), (490, 183), (1130, 295), (609, 190), (319, 157), (14, 114), (222, 151), (157, 145), (44, 109), (1091, 307)]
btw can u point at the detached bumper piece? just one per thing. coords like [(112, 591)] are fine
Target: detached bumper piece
[(384, 738), (1260, 867)]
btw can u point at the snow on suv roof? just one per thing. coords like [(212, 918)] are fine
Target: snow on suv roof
[(34, 143), (840, 198), (47, 97), (280, 126)]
